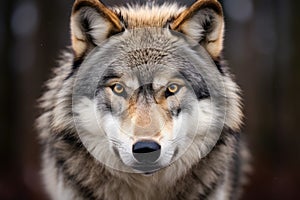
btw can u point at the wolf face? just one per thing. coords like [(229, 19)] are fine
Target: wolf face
[(145, 95), (144, 91)]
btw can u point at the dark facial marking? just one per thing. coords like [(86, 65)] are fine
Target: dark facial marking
[(197, 83), (146, 91), (175, 112), (108, 74)]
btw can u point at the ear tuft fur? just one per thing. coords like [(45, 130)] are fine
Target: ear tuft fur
[(91, 24), (203, 22)]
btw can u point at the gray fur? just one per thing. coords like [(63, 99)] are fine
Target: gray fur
[(83, 159)]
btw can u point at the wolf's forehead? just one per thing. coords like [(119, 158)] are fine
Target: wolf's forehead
[(146, 55)]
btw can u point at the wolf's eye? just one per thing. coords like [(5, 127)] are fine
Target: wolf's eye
[(118, 89), (172, 89)]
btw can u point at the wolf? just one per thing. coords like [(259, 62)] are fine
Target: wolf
[(143, 107)]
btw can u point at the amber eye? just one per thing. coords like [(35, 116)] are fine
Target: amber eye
[(173, 88), (118, 89)]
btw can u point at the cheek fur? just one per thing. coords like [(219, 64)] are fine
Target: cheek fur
[(108, 101)]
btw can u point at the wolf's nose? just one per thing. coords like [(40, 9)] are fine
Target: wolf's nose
[(146, 151)]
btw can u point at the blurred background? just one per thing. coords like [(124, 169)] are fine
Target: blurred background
[(262, 46)]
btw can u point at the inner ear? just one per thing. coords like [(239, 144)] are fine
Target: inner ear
[(203, 22), (91, 24)]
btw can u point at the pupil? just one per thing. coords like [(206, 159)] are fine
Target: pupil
[(118, 88), (172, 87)]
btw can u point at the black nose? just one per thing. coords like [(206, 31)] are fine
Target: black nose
[(146, 151)]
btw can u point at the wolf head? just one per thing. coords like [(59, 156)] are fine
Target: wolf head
[(148, 92)]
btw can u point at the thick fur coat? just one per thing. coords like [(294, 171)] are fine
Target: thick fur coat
[(85, 154)]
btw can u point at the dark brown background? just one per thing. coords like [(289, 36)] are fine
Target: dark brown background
[(262, 47)]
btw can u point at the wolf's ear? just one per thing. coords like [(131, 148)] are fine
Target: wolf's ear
[(204, 22), (91, 23)]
